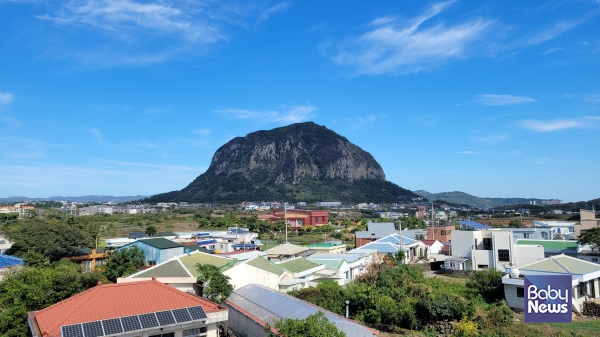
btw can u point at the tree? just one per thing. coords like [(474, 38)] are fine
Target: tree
[(28, 289), (35, 259), (151, 230), (215, 285), (315, 325), (590, 236), (53, 241), (124, 262), (488, 283)]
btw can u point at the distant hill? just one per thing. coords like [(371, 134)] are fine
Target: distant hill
[(85, 198), (299, 162), (473, 201)]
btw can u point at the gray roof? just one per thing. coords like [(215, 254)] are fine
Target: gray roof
[(270, 305), (377, 230), (346, 257)]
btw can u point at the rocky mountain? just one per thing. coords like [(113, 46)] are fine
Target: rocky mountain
[(458, 197), (299, 162)]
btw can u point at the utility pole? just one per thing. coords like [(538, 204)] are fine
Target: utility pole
[(286, 222), (432, 224)]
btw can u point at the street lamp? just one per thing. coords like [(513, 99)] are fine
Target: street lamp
[(347, 308)]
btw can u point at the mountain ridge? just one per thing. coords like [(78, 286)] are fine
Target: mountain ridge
[(299, 162), (459, 197)]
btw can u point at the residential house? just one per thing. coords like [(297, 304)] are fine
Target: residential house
[(336, 270), (587, 220), (442, 233), (357, 262), (287, 251), (374, 232), (146, 308), (156, 250), (585, 275), (257, 270), (88, 258), (254, 306), (297, 218), (435, 247), (557, 229), (302, 271), (180, 272), (554, 247), (487, 249), (468, 225), (391, 245), (330, 247)]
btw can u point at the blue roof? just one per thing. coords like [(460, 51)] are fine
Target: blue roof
[(384, 247), (473, 224), (10, 261), (395, 239)]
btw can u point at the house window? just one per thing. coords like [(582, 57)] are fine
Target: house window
[(526, 235), (487, 244), (503, 255), (194, 332), (482, 266), (152, 263), (99, 262), (594, 259), (520, 292), (443, 232), (170, 334), (87, 266), (323, 218), (581, 289)]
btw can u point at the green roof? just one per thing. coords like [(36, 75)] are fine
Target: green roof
[(161, 243), (198, 248), (168, 269), (264, 264), (190, 261), (297, 265), (326, 245), (330, 264), (563, 264), (551, 244)]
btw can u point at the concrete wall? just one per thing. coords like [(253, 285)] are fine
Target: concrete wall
[(244, 325), (510, 294), (244, 274)]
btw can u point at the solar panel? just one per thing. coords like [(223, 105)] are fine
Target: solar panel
[(165, 318), (182, 315), (148, 320), (93, 329), (197, 313), (131, 323), (74, 330), (112, 326)]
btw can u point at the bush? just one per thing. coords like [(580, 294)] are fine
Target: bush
[(465, 328), (488, 283)]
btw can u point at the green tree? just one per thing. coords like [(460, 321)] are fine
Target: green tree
[(488, 283), (315, 325), (590, 236), (215, 285), (28, 289), (53, 241), (151, 230), (35, 259), (124, 262), (327, 294)]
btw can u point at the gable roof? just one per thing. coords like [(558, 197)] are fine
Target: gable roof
[(185, 265), (171, 268), (562, 264), (101, 302), (430, 242), (160, 243), (346, 257), (297, 265), (286, 249), (264, 264), (377, 230), (329, 264)]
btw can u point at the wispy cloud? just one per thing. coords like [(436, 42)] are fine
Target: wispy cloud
[(202, 132), (395, 46), (493, 138), (360, 121), (499, 100), (551, 50), (555, 31), (594, 98), (287, 114), (95, 133), (541, 161), (280, 7), (555, 125), (467, 152), (134, 32), (6, 97)]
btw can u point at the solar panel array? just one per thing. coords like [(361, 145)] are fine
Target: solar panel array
[(114, 326)]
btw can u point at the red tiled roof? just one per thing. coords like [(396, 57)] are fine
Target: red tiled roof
[(116, 300), (428, 242)]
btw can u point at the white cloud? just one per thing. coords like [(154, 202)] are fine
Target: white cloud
[(397, 46), (498, 100), (554, 31), (548, 126), (467, 152), (135, 32), (287, 114), (280, 7), (493, 138), (594, 98), (94, 132), (202, 132), (541, 161), (552, 50), (6, 97), (361, 121)]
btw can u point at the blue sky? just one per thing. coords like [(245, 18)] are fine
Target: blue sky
[(496, 99)]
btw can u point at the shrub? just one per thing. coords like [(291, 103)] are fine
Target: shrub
[(465, 328), (488, 283)]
